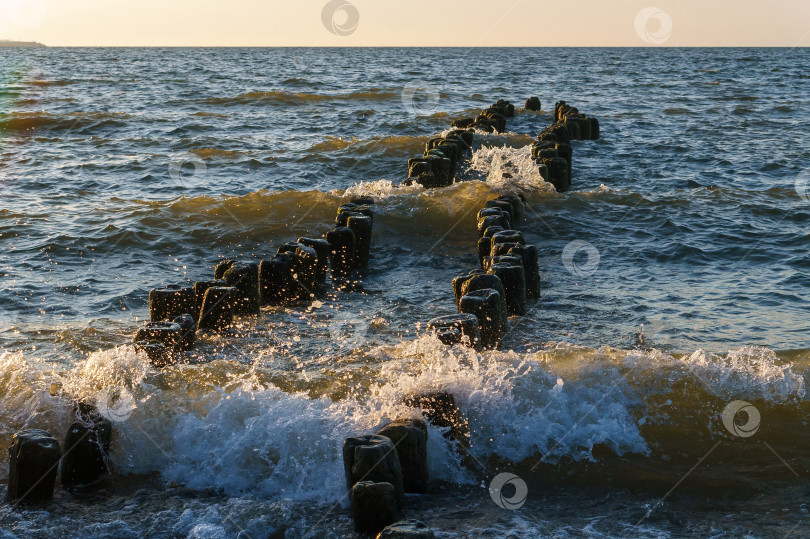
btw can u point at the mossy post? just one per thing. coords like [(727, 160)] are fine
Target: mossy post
[(170, 302), (33, 461), (87, 444), (275, 280), (199, 292), (487, 281), (217, 308), (410, 436), (533, 104), (244, 278), (485, 304), (169, 334), (361, 225), (513, 278), (457, 329), (374, 506), (322, 249), (343, 245), (372, 458)]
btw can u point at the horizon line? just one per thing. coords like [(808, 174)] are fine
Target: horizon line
[(403, 46)]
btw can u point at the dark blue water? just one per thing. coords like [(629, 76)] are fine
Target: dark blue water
[(125, 169)]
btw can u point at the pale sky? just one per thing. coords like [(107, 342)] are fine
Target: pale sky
[(407, 22)]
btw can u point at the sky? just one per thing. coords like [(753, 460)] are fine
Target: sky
[(407, 22)]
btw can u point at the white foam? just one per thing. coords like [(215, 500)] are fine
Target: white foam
[(218, 425), (504, 169), (119, 367), (601, 190), (252, 438), (25, 400), (207, 531), (509, 170), (381, 189), (117, 529), (752, 371)]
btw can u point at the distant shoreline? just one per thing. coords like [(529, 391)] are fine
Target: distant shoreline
[(20, 44)]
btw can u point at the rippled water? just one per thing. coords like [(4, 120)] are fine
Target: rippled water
[(125, 169)]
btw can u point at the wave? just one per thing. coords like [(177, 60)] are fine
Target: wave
[(299, 98), (393, 143), (48, 82), (25, 121), (332, 144), (204, 114), (678, 111), (403, 210), (231, 426), (26, 102), (197, 224), (216, 152)]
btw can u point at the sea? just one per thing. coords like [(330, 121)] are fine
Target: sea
[(657, 389)]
